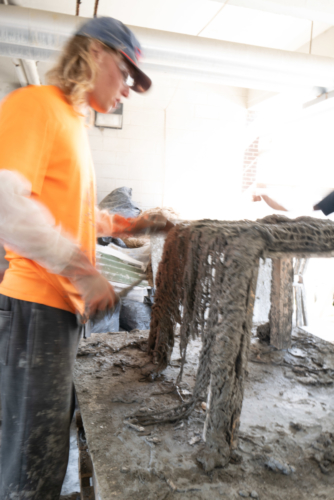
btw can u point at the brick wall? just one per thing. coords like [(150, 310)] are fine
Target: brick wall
[(250, 157), (250, 164)]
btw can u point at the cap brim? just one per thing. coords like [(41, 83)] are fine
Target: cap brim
[(141, 81)]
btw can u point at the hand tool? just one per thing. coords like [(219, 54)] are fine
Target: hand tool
[(82, 319)]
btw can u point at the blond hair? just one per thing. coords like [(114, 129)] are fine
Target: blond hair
[(75, 71)]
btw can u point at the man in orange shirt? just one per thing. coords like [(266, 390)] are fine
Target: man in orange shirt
[(49, 225)]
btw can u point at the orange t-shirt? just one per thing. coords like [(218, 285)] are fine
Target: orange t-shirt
[(44, 139)]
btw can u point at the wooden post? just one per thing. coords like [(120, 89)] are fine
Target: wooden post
[(281, 303), (230, 348)]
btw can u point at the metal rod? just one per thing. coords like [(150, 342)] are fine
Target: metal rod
[(78, 7), (214, 17), (96, 7), (311, 39)]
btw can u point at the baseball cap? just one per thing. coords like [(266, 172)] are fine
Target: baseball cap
[(116, 35)]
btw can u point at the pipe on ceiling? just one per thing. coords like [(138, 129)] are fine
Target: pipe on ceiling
[(20, 73), (38, 35), (26, 70), (31, 71), (96, 6)]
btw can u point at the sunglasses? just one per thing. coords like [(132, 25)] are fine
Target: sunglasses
[(126, 74), (123, 67)]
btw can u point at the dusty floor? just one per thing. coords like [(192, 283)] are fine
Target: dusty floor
[(285, 448)]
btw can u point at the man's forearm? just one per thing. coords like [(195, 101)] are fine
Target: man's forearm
[(27, 227)]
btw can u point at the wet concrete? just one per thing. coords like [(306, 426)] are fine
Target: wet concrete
[(285, 448)]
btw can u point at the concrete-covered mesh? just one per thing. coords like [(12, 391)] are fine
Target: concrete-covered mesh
[(206, 282)]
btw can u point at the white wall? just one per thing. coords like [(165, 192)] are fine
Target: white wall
[(205, 128), (181, 146), (133, 156), (6, 88), (300, 156)]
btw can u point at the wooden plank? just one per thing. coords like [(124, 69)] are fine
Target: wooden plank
[(122, 256), (281, 303), (86, 467), (125, 280), (87, 493), (122, 272), (112, 258), (120, 276), (85, 463), (121, 268)]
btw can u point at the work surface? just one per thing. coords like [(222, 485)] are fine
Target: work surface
[(285, 448)]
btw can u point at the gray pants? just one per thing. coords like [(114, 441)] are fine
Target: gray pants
[(38, 345)]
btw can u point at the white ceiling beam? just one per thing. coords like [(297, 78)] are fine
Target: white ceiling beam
[(39, 35), (314, 10)]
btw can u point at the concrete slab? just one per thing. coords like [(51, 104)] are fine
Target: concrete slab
[(286, 432)]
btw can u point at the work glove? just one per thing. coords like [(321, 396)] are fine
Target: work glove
[(150, 224), (95, 290)]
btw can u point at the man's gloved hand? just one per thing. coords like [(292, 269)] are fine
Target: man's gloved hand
[(117, 226), (96, 292), (152, 223)]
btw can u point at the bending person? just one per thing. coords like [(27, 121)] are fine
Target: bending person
[(49, 225)]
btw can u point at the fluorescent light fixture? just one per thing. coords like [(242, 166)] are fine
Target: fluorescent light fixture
[(113, 119)]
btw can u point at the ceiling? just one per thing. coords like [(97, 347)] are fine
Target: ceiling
[(267, 24), (207, 18)]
